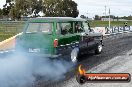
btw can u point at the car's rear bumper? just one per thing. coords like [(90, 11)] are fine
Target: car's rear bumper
[(37, 55), (43, 55)]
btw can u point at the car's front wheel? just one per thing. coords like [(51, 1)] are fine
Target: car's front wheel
[(99, 49), (74, 55)]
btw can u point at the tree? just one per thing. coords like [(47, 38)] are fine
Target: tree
[(1, 12), (18, 8), (97, 17), (29, 7), (54, 8), (23, 7), (83, 16), (70, 8), (37, 6), (7, 7), (60, 8), (129, 17), (15, 14)]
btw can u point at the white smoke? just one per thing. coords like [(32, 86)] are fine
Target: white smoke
[(20, 70)]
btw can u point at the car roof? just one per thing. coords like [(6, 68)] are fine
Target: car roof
[(55, 19)]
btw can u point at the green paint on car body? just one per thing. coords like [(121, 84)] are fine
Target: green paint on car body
[(39, 35)]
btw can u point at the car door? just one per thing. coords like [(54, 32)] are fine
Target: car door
[(83, 39), (66, 38), (90, 39)]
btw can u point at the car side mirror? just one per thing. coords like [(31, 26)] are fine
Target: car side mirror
[(86, 33), (91, 30)]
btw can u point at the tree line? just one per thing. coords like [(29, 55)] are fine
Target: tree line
[(15, 9), (97, 17)]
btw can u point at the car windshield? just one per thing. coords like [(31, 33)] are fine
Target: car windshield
[(86, 27), (39, 27)]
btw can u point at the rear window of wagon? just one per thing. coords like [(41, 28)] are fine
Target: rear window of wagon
[(39, 27)]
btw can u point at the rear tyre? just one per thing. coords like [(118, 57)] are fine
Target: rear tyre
[(74, 55), (98, 49)]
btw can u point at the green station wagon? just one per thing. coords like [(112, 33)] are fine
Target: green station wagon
[(59, 37)]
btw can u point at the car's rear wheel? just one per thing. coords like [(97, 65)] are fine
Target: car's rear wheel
[(74, 55), (98, 49)]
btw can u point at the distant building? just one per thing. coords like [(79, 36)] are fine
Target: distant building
[(112, 19), (90, 19), (107, 19), (120, 20)]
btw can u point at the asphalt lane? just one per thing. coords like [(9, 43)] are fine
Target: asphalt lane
[(114, 46)]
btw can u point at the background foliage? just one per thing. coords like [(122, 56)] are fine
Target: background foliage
[(15, 9)]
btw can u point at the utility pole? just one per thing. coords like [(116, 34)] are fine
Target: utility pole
[(109, 19), (105, 12), (87, 16)]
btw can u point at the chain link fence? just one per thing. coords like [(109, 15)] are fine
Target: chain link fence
[(10, 28)]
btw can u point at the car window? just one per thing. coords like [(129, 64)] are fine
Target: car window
[(32, 27), (58, 29), (86, 27), (65, 28), (39, 27), (79, 27), (46, 28)]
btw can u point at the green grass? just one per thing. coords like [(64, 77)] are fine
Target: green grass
[(9, 29), (106, 23)]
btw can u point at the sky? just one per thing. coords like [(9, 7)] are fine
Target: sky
[(92, 7), (2, 2)]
